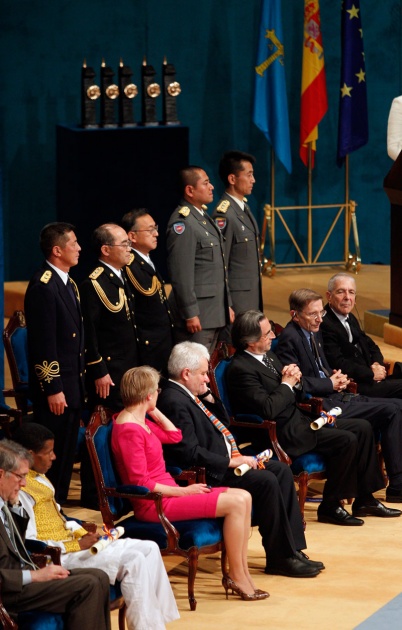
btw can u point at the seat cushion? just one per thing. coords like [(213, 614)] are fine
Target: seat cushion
[(309, 462), (199, 533), (40, 621)]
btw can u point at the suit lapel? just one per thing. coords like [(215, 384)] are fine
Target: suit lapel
[(66, 299), (205, 221), (7, 541)]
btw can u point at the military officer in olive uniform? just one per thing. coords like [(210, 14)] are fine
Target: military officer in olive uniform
[(111, 343), (240, 230), (152, 312), (200, 300), (56, 348)]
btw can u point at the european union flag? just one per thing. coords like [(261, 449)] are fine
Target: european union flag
[(353, 115), (270, 100)]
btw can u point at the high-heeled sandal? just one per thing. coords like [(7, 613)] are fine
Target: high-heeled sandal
[(261, 594), (228, 583)]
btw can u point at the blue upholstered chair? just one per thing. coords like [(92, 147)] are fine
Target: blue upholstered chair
[(182, 538), (15, 345), (305, 468), (39, 620)]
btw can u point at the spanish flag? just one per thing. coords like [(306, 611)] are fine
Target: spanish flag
[(314, 103)]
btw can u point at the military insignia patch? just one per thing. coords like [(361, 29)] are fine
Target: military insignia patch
[(223, 206), (184, 211), (221, 222), (179, 227), (46, 276), (96, 273)]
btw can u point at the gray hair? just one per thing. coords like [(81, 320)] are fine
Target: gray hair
[(246, 328), (187, 354), (338, 276), (11, 455)]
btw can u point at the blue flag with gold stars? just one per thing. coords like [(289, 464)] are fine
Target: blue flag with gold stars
[(270, 101), (353, 115)]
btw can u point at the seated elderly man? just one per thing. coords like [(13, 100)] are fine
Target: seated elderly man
[(207, 442), (80, 595), (259, 383), (347, 346), (301, 343), (137, 564)]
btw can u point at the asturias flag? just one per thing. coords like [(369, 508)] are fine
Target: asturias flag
[(270, 101), (353, 115), (314, 103)]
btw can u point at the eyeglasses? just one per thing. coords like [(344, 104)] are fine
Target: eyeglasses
[(152, 230), (20, 477), (316, 315), (125, 244)]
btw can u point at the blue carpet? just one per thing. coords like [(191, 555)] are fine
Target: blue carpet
[(389, 617)]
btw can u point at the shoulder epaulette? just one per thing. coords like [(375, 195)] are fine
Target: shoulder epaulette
[(96, 273), (46, 276), (131, 259), (223, 206), (184, 211)]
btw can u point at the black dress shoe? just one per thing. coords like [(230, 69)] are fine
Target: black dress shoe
[(291, 567), (393, 497), (375, 508), (312, 563), (337, 516)]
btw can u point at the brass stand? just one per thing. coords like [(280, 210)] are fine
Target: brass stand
[(352, 262)]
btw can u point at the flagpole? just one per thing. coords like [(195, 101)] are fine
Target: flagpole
[(347, 209), (309, 208)]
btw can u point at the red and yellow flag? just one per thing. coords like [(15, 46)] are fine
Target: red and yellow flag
[(314, 103)]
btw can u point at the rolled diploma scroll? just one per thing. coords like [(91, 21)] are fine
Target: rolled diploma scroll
[(325, 418), (104, 541), (261, 457)]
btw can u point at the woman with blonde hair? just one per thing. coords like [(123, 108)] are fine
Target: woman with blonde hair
[(138, 434)]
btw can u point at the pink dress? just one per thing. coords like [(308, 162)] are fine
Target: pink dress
[(139, 461)]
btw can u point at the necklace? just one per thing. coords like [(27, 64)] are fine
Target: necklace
[(140, 422)]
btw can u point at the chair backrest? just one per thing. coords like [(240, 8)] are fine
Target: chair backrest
[(218, 365), (98, 438), (16, 347)]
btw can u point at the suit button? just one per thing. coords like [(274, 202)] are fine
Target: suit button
[(108, 359), (246, 239), (147, 343), (74, 334)]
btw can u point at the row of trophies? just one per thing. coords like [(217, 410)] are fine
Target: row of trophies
[(124, 93)]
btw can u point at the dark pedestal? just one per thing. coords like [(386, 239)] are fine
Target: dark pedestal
[(103, 173), (393, 188)]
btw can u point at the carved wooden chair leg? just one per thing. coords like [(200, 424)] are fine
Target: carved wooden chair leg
[(122, 618), (192, 571), (302, 482)]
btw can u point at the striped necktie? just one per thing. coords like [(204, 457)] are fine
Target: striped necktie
[(220, 426)]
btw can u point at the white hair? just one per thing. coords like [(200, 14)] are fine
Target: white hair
[(339, 276), (187, 354)]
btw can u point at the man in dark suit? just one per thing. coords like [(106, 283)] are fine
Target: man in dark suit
[(56, 348), (80, 595), (233, 217), (301, 343), (275, 505), (258, 383), (200, 301), (107, 301), (153, 319), (348, 348)]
